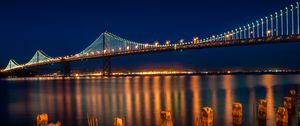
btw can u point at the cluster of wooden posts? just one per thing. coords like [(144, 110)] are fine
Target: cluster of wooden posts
[(283, 113), (42, 120), (92, 120), (207, 118), (281, 116)]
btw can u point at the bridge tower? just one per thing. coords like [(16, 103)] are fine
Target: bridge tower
[(107, 59), (38, 56)]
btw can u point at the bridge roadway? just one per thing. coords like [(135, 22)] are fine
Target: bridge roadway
[(203, 45)]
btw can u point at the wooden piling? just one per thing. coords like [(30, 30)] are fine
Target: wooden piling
[(282, 116), (262, 112), (237, 114), (92, 120), (166, 118), (293, 95), (262, 109), (42, 119), (287, 103), (207, 116), (119, 121), (58, 123), (299, 110)]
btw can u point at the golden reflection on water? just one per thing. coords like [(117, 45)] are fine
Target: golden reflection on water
[(268, 81), (195, 88), (128, 101), (68, 101), (113, 97), (59, 100), (120, 101), (168, 92), (140, 99), (227, 83), (147, 102), (250, 80), (182, 100), (51, 101), (137, 101), (214, 102), (157, 104), (78, 100)]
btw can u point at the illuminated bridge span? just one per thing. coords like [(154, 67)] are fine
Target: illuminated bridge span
[(279, 27)]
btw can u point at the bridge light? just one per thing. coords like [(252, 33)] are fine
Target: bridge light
[(168, 42), (156, 43), (181, 41), (112, 50), (104, 51), (120, 49), (196, 40), (269, 32), (127, 48), (136, 46), (146, 45)]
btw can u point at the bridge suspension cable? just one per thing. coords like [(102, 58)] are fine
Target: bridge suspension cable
[(113, 43), (267, 26), (11, 65), (39, 56)]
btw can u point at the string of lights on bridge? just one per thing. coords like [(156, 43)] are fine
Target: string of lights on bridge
[(276, 24), (284, 22)]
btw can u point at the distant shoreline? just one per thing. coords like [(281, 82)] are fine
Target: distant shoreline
[(157, 74), (199, 73)]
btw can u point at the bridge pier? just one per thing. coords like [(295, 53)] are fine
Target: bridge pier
[(12, 74), (107, 66), (65, 68), (106, 60)]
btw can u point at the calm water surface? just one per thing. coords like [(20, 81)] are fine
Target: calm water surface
[(140, 99)]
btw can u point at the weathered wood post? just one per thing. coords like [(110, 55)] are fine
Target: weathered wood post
[(119, 121), (287, 103), (55, 124), (237, 114), (92, 120), (293, 95), (166, 118), (299, 110), (207, 116), (42, 119), (282, 116), (262, 112)]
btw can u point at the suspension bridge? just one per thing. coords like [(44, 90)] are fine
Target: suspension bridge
[(279, 27)]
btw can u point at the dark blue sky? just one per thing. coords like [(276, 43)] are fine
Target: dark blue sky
[(62, 27)]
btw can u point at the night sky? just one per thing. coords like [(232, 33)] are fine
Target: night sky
[(67, 27)]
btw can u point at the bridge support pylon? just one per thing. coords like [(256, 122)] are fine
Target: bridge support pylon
[(106, 60), (107, 66), (65, 69), (12, 74)]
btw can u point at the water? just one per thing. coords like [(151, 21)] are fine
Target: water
[(140, 99)]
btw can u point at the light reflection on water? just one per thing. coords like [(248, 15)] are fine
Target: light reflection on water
[(141, 98)]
